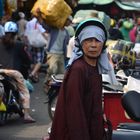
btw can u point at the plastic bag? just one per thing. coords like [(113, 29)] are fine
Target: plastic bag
[(123, 55), (2, 107), (29, 85), (132, 84), (35, 38), (55, 12)]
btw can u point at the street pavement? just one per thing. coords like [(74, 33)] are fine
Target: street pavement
[(15, 129)]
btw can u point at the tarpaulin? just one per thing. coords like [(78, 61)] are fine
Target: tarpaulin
[(1, 8)]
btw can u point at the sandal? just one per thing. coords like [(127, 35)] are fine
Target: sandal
[(45, 138), (29, 120), (34, 79)]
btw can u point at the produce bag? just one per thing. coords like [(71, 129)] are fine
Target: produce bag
[(132, 84), (2, 107), (123, 55), (55, 12), (35, 38)]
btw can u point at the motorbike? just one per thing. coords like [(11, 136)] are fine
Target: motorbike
[(56, 81), (54, 86), (10, 99), (130, 103)]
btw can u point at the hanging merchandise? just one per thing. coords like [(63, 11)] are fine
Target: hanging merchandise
[(55, 12)]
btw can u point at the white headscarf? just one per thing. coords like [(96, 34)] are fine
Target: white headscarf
[(104, 65), (92, 31)]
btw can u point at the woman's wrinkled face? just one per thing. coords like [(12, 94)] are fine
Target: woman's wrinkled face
[(92, 47)]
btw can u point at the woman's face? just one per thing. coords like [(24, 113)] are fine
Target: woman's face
[(92, 47)]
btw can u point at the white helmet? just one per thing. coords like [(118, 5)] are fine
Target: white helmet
[(10, 27)]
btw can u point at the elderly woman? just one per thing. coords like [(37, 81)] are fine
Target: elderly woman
[(79, 114)]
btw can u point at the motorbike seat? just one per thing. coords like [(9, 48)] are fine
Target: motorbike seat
[(129, 126), (58, 77), (9, 82), (125, 135), (131, 102)]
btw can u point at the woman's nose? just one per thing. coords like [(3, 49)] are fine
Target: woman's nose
[(93, 42)]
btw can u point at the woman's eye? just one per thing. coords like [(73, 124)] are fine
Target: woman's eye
[(93, 39), (89, 39), (97, 40)]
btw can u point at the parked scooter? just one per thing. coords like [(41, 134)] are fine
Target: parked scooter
[(10, 99)]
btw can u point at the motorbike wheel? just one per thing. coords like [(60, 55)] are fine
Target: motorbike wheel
[(51, 107), (18, 109), (3, 117), (52, 95), (20, 112)]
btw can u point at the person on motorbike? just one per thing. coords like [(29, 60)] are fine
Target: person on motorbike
[(79, 114), (15, 53), (15, 63)]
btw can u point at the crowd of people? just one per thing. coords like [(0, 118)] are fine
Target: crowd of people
[(22, 58), (126, 29), (81, 57)]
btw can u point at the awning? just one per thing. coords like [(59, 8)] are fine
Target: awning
[(123, 5), (85, 14), (99, 2), (127, 6)]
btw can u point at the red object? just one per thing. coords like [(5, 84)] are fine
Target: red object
[(132, 34), (114, 110)]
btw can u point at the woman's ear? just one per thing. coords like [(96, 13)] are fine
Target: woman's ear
[(78, 44), (104, 46)]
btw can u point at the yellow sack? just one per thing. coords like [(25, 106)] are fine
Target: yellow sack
[(41, 4), (2, 107), (55, 12)]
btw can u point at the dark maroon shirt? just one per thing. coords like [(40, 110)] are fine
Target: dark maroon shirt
[(78, 113)]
